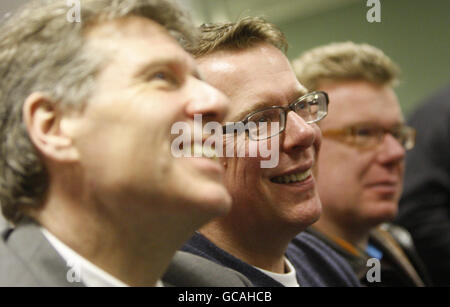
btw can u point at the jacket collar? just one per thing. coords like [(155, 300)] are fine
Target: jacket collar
[(29, 244)]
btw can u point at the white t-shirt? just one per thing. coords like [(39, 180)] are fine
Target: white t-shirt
[(288, 279)]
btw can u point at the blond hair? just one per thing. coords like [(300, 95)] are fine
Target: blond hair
[(242, 34), (345, 61), (41, 51)]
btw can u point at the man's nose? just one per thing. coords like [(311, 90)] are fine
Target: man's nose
[(298, 135), (208, 101), (390, 150)]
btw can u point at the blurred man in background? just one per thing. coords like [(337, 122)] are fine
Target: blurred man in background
[(361, 165)]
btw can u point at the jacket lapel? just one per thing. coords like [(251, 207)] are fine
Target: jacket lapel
[(41, 260)]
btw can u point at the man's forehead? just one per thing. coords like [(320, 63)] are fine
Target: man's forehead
[(132, 32), (262, 100), (124, 27), (221, 70), (254, 78), (230, 61), (355, 102), (138, 43)]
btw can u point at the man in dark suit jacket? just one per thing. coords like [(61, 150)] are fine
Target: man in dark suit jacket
[(88, 96)]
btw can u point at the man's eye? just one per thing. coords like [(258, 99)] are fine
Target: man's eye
[(365, 132), (161, 75), (301, 106), (166, 77), (261, 119)]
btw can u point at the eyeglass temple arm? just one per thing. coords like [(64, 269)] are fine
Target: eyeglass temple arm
[(337, 132), (231, 127)]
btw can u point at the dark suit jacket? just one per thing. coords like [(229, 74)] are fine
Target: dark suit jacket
[(400, 265), (28, 259), (424, 208)]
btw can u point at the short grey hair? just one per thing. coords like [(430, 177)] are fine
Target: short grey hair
[(345, 61), (41, 51)]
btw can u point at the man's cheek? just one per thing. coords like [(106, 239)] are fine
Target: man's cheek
[(269, 151)]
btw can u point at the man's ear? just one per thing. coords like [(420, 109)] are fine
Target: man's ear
[(42, 118)]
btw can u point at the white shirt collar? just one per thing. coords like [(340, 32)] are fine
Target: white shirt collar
[(81, 270), (288, 279)]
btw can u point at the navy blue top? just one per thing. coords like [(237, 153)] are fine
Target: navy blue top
[(316, 264)]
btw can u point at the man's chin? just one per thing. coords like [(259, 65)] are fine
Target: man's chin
[(306, 213), (215, 199), (382, 213)]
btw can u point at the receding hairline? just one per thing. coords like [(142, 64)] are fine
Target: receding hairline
[(100, 34), (109, 27)]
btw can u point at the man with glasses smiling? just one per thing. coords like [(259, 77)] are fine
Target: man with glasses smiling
[(361, 165), (269, 108)]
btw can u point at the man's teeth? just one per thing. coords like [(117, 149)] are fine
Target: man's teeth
[(293, 177), (198, 150)]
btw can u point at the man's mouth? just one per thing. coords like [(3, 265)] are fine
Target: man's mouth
[(384, 187), (292, 178), (200, 151)]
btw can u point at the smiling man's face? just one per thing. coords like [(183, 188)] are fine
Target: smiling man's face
[(124, 133), (283, 197)]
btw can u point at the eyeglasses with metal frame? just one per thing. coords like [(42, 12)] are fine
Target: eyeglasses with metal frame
[(311, 107)]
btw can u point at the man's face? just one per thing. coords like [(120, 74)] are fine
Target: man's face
[(360, 186), (124, 133), (256, 78)]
